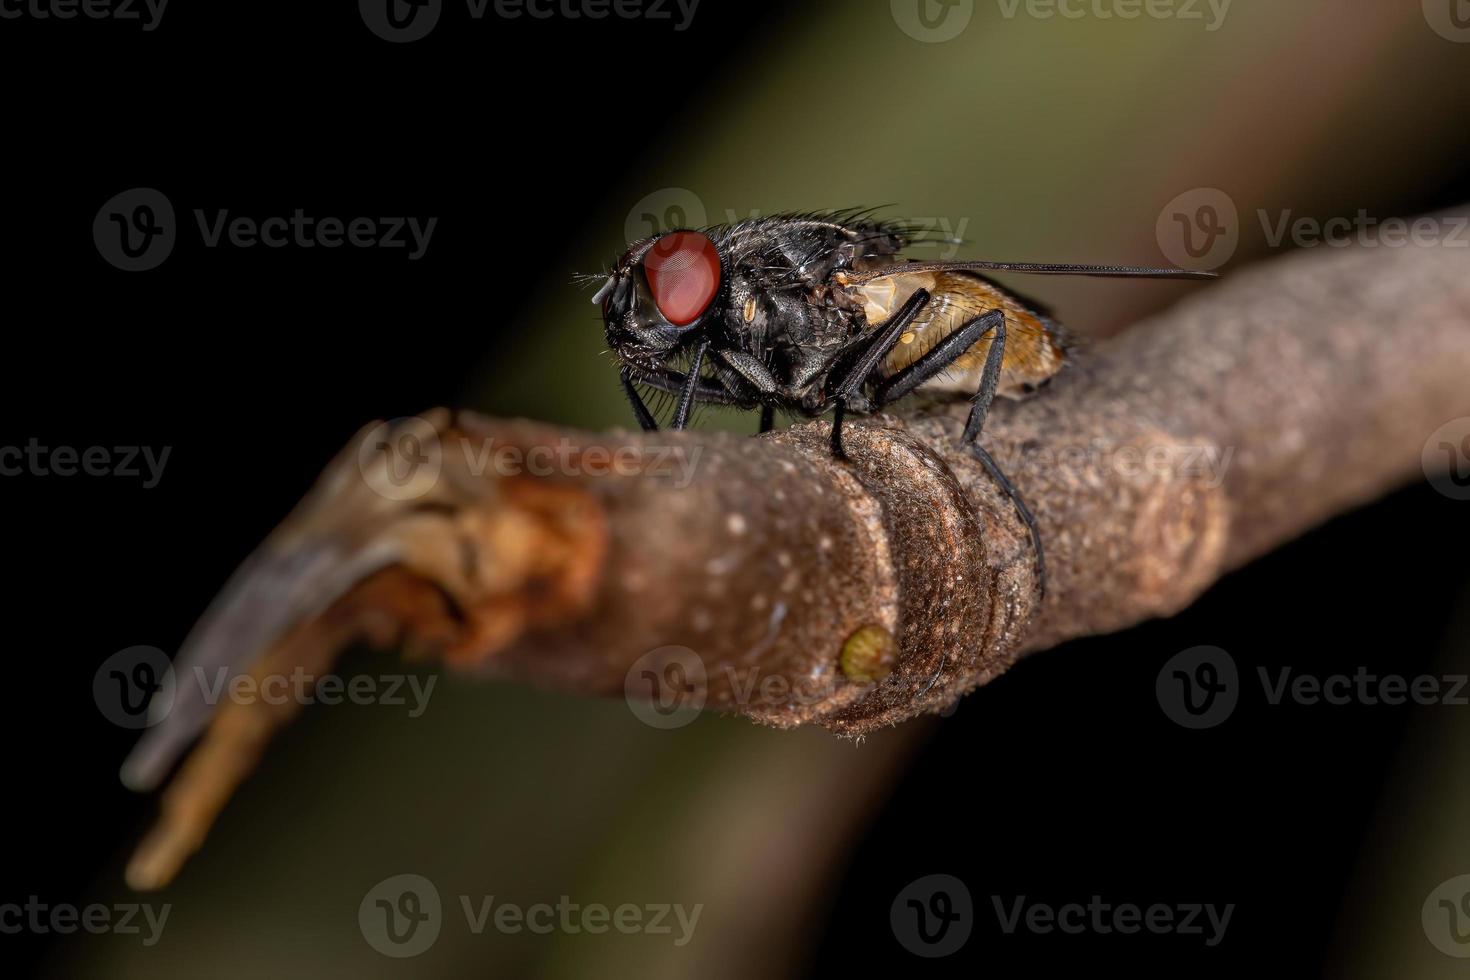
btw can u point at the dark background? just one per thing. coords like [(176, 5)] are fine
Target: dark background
[(529, 140)]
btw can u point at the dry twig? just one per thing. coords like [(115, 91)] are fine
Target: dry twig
[(1247, 414)]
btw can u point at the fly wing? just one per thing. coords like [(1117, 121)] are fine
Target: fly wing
[(1048, 269)]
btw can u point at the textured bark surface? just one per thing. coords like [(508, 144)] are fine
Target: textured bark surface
[(739, 569)]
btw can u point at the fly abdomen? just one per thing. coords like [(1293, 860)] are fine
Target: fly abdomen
[(1035, 350)]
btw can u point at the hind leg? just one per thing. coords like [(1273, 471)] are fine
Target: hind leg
[(936, 360), (941, 356)]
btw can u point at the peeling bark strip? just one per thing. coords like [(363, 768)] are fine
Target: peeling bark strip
[(1252, 411)]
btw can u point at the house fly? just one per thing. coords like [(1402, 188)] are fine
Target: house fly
[(815, 312)]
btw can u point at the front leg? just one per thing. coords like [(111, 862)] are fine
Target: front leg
[(686, 397), (755, 373), (885, 338), (752, 370), (640, 410)]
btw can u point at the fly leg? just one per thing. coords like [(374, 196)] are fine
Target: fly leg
[(941, 356), (885, 338), (755, 373), (686, 392), (686, 397), (640, 410)]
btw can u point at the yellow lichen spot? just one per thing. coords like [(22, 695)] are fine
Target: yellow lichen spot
[(868, 655)]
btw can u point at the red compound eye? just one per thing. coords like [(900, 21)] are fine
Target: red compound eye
[(683, 271)]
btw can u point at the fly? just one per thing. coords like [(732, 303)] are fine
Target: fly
[(818, 312)]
